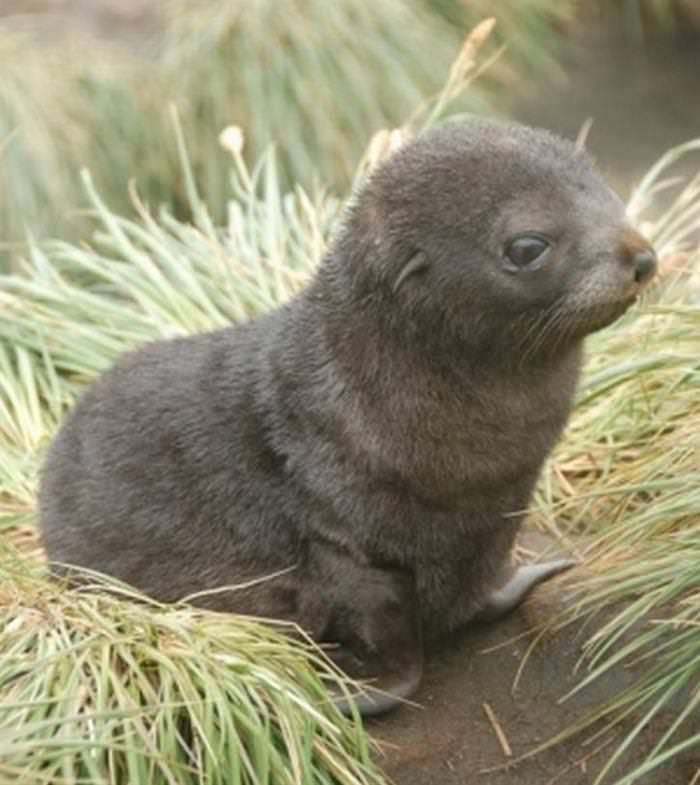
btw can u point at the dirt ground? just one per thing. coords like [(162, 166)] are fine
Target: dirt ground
[(449, 739), (641, 104)]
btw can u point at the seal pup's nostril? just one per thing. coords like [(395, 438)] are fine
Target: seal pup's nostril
[(644, 264), (637, 255)]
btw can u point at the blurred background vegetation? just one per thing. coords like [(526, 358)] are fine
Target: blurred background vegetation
[(88, 83)]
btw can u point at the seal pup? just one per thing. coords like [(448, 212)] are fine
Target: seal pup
[(375, 441)]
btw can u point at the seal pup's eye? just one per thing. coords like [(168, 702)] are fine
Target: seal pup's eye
[(525, 250)]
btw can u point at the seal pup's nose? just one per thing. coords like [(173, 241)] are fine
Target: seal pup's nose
[(637, 255), (645, 264)]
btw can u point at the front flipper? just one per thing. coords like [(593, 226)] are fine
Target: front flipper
[(373, 622), (386, 693), (522, 581), (380, 640)]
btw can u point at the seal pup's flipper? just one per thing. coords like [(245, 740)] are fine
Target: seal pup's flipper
[(522, 581), (374, 700), (381, 644), (372, 623)]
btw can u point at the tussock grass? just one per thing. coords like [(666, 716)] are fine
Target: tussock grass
[(40, 130), (318, 79), (624, 486), (65, 105), (111, 688), (534, 31)]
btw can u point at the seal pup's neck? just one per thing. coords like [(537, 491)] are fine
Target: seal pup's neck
[(417, 404)]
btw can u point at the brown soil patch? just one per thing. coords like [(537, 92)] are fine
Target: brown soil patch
[(450, 740)]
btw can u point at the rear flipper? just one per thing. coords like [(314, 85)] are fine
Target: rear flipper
[(521, 582)]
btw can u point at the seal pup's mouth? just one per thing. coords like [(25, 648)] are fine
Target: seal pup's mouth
[(571, 321), (588, 318)]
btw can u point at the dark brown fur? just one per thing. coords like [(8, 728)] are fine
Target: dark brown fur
[(383, 431)]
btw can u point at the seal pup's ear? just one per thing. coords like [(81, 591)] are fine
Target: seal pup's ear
[(418, 263)]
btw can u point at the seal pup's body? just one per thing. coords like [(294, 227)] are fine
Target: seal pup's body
[(381, 433)]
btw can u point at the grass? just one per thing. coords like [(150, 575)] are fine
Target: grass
[(624, 486), (318, 80), (533, 31), (109, 687), (40, 129), (94, 686), (57, 115), (313, 75)]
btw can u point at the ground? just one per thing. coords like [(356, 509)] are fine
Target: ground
[(449, 740)]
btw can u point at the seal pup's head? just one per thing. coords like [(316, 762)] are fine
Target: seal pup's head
[(494, 232)]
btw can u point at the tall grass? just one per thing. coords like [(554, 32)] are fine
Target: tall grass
[(534, 31), (624, 486), (63, 106), (109, 688), (42, 126), (318, 79)]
